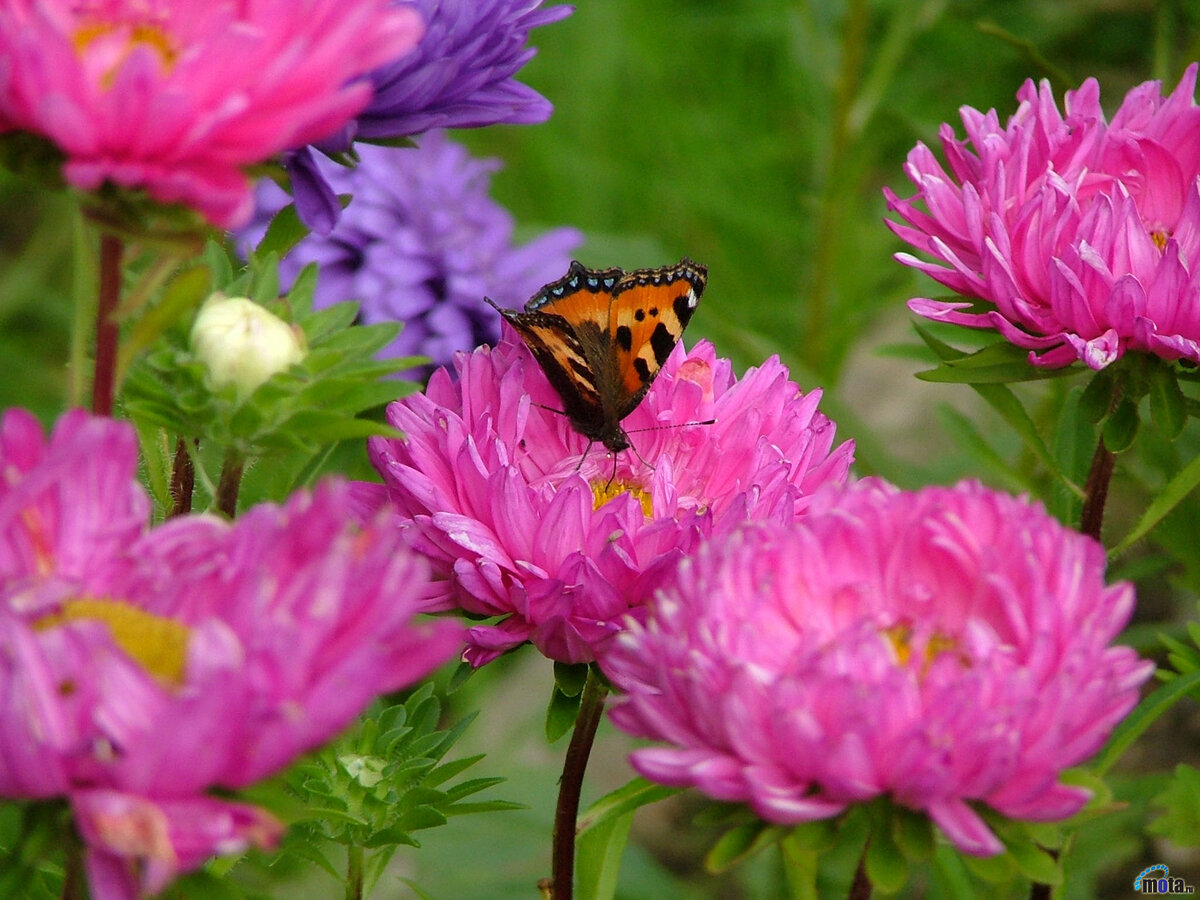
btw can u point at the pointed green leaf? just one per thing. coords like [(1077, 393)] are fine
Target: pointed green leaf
[(598, 858), (1182, 484), (631, 796), (886, 866), (1168, 408), (1097, 398), (913, 833), (560, 714), (570, 678), (739, 844), (1142, 717), (283, 233), (1035, 863), (1121, 427), (800, 867)]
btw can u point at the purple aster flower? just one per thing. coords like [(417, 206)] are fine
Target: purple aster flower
[(946, 647), (141, 668), (461, 75), (422, 243)]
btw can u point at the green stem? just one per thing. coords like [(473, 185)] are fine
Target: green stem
[(231, 480), (591, 707), (107, 329), (1095, 491), (183, 479), (354, 872)]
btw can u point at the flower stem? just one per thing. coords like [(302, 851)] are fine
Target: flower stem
[(354, 872), (860, 888), (231, 480), (591, 707), (183, 480), (107, 329), (1095, 491)]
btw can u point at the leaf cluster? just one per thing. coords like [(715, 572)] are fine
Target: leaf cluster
[(315, 402), (381, 782)]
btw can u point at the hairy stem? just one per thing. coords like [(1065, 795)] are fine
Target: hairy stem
[(183, 479), (231, 480), (1095, 491), (354, 872), (591, 706), (107, 330)]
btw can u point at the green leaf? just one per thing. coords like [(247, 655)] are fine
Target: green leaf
[(631, 796), (560, 714), (1007, 373), (1097, 398), (1168, 408), (1142, 717), (886, 865), (740, 843), (1121, 427), (993, 869), (913, 833), (1180, 823), (598, 857), (185, 292), (800, 867), (283, 233), (1166, 500), (570, 678), (1035, 863)]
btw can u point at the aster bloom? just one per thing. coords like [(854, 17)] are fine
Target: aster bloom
[(1083, 234), (944, 647), (141, 668), (496, 489), (177, 98), (422, 243), (461, 75)]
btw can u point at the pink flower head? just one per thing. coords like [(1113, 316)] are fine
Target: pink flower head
[(179, 97), (139, 668), (1083, 234), (943, 647), (497, 490)]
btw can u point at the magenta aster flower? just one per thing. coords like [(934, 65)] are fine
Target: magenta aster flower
[(177, 98), (422, 243), (495, 488), (943, 647), (141, 668), (1084, 235)]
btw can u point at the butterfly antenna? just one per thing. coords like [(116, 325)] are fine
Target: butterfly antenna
[(583, 456), (665, 427)]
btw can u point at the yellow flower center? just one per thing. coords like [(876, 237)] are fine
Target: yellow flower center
[(120, 40), (156, 643), (900, 637), (1160, 239), (603, 491)]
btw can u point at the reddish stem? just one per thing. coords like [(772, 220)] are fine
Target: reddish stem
[(183, 479), (107, 329), (1095, 491), (591, 707)]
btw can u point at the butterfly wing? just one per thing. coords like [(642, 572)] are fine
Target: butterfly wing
[(650, 309), (566, 327)]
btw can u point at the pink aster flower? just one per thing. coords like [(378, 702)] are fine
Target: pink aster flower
[(177, 98), (1084, 235), (943, 647), (140, 668), (495, 488)]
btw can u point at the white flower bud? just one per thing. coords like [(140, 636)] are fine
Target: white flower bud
[(242, 344)]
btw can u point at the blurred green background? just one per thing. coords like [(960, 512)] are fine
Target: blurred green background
[(754, 136)]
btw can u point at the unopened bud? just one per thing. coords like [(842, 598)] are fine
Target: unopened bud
[(242, 344)]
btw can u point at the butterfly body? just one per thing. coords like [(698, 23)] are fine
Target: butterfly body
[(602, 335)]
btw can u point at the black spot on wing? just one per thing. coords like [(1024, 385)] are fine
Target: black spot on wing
[(625, 337), (642, 367), (662, 342), (684, 307)]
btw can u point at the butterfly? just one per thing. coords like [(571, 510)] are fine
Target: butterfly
[(602, 335)]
